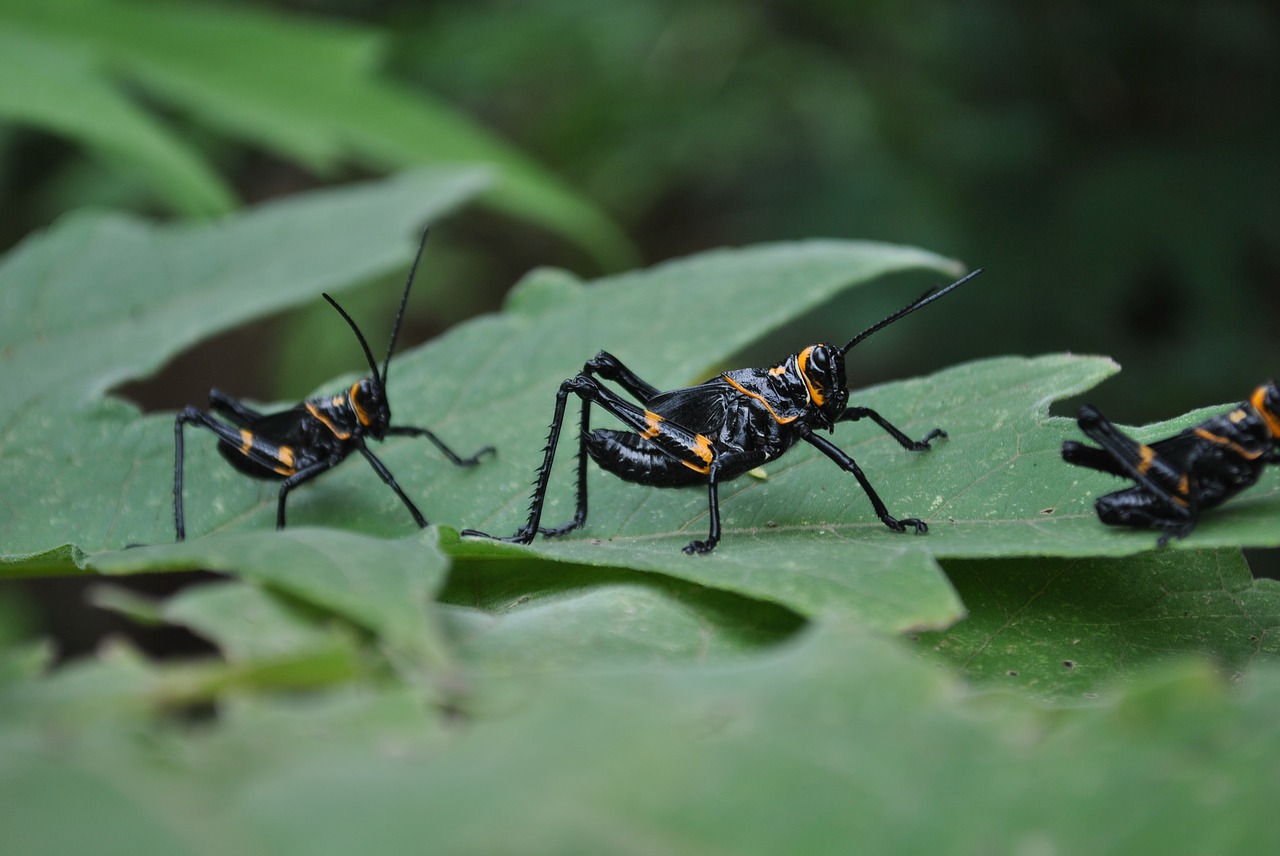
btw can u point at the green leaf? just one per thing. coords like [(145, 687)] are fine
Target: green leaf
[(100, 299), (492, 381), (384, 586), (310, 91), (803, 538), (1063, 630), (833, 742), (518, 621), (247, 622)]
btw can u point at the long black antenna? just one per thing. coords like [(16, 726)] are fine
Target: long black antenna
[(368, 354), (404, 300), (924, 300)]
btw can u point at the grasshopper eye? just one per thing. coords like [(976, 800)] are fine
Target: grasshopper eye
[(820, 363)]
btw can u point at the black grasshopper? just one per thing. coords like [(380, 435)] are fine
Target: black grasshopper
[(718, 430), (1179, 477), (294, 446)]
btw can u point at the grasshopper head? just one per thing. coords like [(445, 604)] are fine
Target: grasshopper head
[(369, 401), (1266, 400), (822, 368)]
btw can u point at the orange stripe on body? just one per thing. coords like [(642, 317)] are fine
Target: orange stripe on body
[(284, 458), (739, 387), (1147, 456), (702, 448), (652, 421), (1230, 444), (319, 414), (701, 444)]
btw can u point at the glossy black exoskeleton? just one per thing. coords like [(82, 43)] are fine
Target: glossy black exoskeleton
[(294, 446), (1179, 477), (718, 430)]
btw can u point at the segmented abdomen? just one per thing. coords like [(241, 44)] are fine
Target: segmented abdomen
[(632, 458)]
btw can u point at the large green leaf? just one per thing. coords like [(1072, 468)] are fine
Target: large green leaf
[(491, 381), (100, 299), (305, 89), (804, 537)]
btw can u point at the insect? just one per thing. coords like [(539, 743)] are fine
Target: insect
[(1180, 476), (294, 446), (718, 430)]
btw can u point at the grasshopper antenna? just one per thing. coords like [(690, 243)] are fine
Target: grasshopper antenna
[(404, 301), (923, 300), (368, 355), (395, 330)]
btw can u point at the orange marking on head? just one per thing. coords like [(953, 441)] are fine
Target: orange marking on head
[(802, 362), (361, 414), (1259, 402)]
